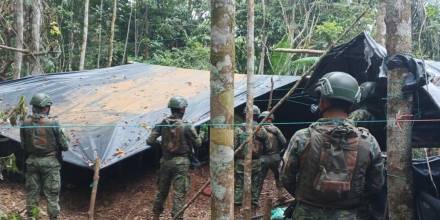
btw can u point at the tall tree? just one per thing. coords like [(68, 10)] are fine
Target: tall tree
[(247, 189), (99, 34), (85, 32), (400, 194), (19, 38), (222, 109), (112, 34), (380, 23), (128, 34), (36, 38)]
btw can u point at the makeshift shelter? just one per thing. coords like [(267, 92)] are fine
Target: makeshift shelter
[(108, 113)]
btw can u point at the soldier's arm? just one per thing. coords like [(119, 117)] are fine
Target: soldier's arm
[(154, 135), (289, 167), (61, 138), (192, 135), (281, 139), (375, 173)]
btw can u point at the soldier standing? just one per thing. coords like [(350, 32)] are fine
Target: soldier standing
[(332, 168), (270, 160), (261, 142), (178, 140), (369, 104), (42, 141)]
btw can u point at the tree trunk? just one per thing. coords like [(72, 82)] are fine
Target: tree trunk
[(263, 40), (380, 23), (135, 31), (85, 32), (19, 39), (98, 62), (128, 34), (36, 26), (247, 192), (222, 109), (112, 34), (399, 180)]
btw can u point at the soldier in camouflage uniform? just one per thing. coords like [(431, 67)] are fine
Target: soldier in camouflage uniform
[(179, 138), (260, 144), (332, 168), (270, 160), (363, 112), (42, 141)]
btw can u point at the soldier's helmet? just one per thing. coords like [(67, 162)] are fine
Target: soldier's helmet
[(177, 102), (255, 110), (41, 100), (338, 85), (368, 90), (266, 113)]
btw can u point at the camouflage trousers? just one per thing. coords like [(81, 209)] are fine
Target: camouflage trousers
[(306, 212), (43, 174), (172, 171), (239, 181), (270, 162)]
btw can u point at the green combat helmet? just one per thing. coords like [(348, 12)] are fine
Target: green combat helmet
[(338, 85), (41, 100), (266, 113), (255, 110), (177, 102), (368, 91)]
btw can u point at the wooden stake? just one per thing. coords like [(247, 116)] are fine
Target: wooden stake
[(267, 209), (94, 189), (309, 51)]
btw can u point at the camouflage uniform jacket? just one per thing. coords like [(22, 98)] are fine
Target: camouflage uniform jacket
[(277, 140), (178, 137), (360, 116), (41, 136), (332, 164), (261, 141)]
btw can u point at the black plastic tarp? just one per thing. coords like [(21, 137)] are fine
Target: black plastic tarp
[(426, 184), (363, 58), (110, 112)]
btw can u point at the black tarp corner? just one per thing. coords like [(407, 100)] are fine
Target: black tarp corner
[(364, 59)]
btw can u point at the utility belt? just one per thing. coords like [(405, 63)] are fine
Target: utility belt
[(50, 154)]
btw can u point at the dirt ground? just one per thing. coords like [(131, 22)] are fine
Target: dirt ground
[(128, 197)]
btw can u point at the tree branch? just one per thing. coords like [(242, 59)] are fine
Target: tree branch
[(289, 50), (26, 51)]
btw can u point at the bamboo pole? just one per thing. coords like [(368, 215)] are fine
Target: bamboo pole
[(94, 189)]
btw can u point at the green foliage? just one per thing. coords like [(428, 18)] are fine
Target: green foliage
[(195, 56), (303, 64), (19, 112), (329, 31), (9, 164), (280, 61)]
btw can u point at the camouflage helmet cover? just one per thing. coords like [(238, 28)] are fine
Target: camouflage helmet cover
[(41, 100), (338, 85), (266, 113), (177, 102)]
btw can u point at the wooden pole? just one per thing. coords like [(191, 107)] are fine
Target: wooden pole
[(399, 154), (289, 50), (247, 179), (94, 189), (267, 209), (269, 104), (222, 109)]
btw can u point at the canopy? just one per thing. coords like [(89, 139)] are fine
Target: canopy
[(109, 112)]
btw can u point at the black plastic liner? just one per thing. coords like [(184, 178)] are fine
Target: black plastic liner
[(363, 58)]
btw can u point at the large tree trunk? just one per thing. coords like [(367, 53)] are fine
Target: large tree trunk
[(380, 23), (98, 62), (247, 189), (400, 180), (112, 34), (36, 28), (85, 32), (222, 109), (19, 14), (128, 34)]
